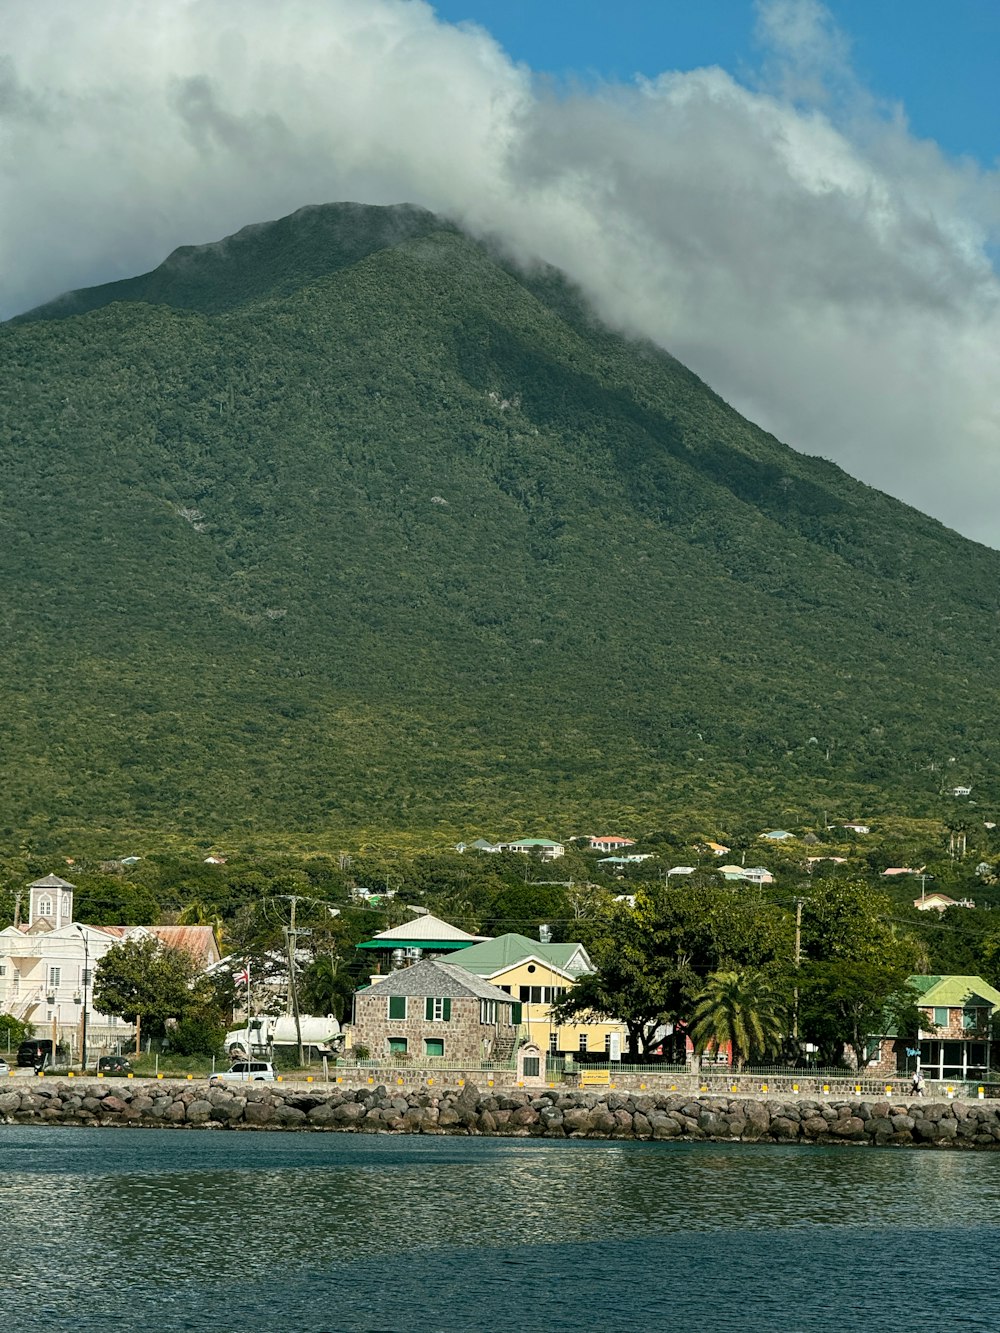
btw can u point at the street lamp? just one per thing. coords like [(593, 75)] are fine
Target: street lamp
[(86, 979)]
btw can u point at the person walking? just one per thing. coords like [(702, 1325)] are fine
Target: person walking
[(918, 1083)]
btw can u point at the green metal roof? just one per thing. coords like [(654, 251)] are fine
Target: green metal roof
[(492, 956), (415, 944), (954, 991)]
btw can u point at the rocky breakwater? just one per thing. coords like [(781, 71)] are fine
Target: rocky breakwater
[(551, 1114)]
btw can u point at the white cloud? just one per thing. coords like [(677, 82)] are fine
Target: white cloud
[(791, 241)]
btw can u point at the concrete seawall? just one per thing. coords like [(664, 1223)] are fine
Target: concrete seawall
[(544, 1113)]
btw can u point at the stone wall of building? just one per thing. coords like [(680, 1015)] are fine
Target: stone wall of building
[(463, 1034)]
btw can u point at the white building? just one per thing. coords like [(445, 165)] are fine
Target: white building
[(47, 968)]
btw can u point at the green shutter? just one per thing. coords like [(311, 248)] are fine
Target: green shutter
[(397, 1006), (515, 1014), (447, 1011), (429, 1008)]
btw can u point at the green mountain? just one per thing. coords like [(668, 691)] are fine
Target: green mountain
[(347, 524)]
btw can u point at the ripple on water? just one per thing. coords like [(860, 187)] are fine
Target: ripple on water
[(266, 1231)]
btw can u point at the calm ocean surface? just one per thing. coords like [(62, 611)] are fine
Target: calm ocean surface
[(161, 1231)]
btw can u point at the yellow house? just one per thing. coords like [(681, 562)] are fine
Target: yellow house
[(536, 976)]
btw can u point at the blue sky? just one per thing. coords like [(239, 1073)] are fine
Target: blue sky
[(939, 59)]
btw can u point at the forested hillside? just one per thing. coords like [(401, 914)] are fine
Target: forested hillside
[(346, 524)]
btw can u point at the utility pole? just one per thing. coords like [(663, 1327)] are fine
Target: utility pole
[(291, 935), (798, 961)]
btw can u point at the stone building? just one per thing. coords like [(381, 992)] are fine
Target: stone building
[(434, 1011)]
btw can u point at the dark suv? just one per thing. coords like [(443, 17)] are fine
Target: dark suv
[(34, 1054), (114, 1066)]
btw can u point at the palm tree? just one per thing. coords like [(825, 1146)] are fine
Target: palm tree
[(744, 1009)]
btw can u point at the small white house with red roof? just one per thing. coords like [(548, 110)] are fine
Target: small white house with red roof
[(609, 842)]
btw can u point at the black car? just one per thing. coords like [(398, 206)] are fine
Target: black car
[(114, 1066), (34, 1054)]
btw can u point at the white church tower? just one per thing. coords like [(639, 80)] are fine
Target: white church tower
[(51, 902)]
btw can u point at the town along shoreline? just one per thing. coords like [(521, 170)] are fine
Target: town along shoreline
[(505, 1113)]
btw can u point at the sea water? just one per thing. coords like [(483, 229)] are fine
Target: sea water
[(162, 1231)]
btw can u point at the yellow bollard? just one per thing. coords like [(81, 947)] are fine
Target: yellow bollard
[(795, 1087), (888, 1090), (826, 1089), (763, 1087), (857, 1089), (339, 1079), (130, 1076), (951, 1092), (309, 1078), (734, 1087), (70, 1075), (159, 1076), (399, 1082), (99, 1074), (642, 1086), (279, 1079), (982, 1093), (489, 1083), (189, 1077)]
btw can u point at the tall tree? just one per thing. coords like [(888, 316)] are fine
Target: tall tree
[(139, 978), (745, 1010)]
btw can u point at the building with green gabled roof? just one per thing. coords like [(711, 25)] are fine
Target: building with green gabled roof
[(537, 976), (954, 1036), (494, 956), (954, 1039), (954, 991)]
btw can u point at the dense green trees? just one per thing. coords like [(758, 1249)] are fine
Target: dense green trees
[(358, 529)]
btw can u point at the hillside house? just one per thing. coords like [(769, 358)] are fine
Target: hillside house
[(609, 843), (545, 848), (435, 1011), (940, 902)]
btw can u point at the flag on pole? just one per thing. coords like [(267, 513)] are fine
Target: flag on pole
[(242, 978)]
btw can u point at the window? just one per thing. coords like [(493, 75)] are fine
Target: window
[(397, 1045), (971, 1018), (553, 1042), (65, 904), (516, 1012), (397, 1006), (531, 1066), (3, 969), (539, 994), (607, 1043), (583, 1043), (940, 1018), (506, 988), (45, 907), (434, 1047), (54, 974), (488, 1012), (437, 1010)]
